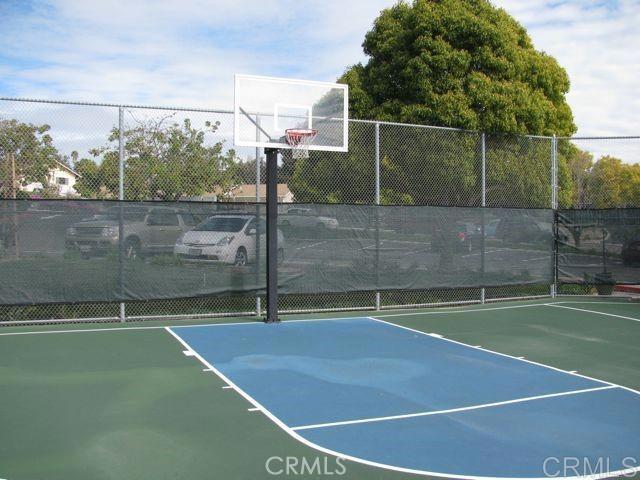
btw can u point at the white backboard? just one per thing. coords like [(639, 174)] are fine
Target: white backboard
[(264, 107)]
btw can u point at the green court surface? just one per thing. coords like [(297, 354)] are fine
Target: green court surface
[(111, 401)]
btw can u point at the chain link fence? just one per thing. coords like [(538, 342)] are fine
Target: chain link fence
[(77, 151)]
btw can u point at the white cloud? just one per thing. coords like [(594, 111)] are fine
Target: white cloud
[(599, 45), (180, 52), (185, 53)]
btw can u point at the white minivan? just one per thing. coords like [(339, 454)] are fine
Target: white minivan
[(229, 238)]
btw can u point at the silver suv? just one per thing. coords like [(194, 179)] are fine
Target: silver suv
[(146, 230)]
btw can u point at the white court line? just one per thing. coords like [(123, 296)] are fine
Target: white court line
[(161, 327), (444, 339), (80, 330), (508, 307), (622, 301), (451, 410), (442, 311), (592, 311)]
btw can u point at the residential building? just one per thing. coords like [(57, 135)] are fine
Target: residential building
[(61, 177), (246, 193)]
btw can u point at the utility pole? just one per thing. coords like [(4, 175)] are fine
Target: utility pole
[(12, 159)]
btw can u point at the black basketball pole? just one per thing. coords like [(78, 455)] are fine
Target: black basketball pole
[(272, 235)]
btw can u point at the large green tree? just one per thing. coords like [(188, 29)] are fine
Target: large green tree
[(451, 63), (91, 178), (458, 63)]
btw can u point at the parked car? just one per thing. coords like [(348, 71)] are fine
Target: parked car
[(306, 218), (631, 252), (146, 231), (524, 229), (229, 239)]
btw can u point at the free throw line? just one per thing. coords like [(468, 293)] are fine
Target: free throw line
[(452, 410)]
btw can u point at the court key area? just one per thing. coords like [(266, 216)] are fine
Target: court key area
[(398, 398)]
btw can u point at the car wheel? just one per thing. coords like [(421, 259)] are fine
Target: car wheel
[(241, 257), (132, 248)]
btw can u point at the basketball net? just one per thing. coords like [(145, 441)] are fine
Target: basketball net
[(300, 139)]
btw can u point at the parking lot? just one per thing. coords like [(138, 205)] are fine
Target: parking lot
[(359, 252), (353, 255)]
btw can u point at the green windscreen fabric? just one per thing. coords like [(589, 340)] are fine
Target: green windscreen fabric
[(68, 251), (342, 248), (599, 246)]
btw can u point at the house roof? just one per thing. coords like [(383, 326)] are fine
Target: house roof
[(69, 169)]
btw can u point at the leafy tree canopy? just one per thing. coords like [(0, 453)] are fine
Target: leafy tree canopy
[(452, 63), (164, 160), (458, 63), (612, 183), (33, 153)]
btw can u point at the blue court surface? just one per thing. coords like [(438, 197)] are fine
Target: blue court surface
[(389, 396)]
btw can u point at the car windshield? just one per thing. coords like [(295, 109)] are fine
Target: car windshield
[(221, 224), (129, 215)]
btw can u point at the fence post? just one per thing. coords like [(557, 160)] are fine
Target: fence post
[(377, 200), (554, 172), (123, 315), (554, 203), (484, 204), (258, 307), (14, 205)]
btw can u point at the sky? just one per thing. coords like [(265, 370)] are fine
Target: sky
[(185, 52)]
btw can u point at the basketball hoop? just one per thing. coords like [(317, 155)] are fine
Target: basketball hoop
[(300, 139)]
